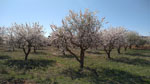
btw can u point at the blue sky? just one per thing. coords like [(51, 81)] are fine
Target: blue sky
[(132, 14)]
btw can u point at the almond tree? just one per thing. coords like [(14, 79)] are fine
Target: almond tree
[(126, 43), (27, 34), (148, 39), (132, 38), (77, 31), (122, 39), (109, 37), (38, 40), (2, 35), (57, 39), (141, 41), (11, 39), (44, 42)]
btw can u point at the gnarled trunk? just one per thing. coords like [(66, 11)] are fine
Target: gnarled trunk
[(130, 46), (125, 48), (63, 52), (35, 49), (82, 59), (27, 52), (108, 53), (118, 50)]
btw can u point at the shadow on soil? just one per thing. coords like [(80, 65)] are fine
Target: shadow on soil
[(30, 64), (105, 76), (2, 57), (137, 54), (135, 61)]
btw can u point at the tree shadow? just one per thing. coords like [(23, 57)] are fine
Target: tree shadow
[(105, 76), (114, 76), (137, 54), (147, 50), (12, 81), (30, 64), (74, 74), (2, 57), (135, 61)]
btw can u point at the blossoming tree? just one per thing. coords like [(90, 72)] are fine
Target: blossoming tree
[(77, 31), (109, 37), (122, 39), (27, 34)]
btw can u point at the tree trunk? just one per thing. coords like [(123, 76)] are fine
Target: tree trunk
[(63, 52), (136, 46), (26, 57), (108, 54), (26, 53), (82, 59), (13, 49), (118, 50), (34, 49), (130, 46), (19, 46), (125, 48), (96, 47)]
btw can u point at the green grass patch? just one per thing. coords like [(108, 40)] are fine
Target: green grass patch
[(48, 66)]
